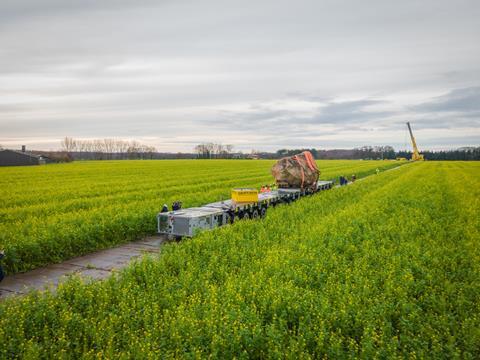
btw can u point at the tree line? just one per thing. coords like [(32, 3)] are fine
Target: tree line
[(101, 149), (214, 151), (365, 152), (465, 154), (385, 152), (98, 149)]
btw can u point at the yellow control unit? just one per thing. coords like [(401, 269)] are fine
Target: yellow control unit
[(241, 195)]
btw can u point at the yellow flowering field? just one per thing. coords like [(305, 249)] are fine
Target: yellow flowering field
[(385, 268), (55, 212)]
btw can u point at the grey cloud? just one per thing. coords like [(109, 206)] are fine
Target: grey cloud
[(446, 122), (176, 69), (12, 10), (458, 108), (465, 100), (350, 112)]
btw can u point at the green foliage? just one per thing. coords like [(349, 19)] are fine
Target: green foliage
[(385, 268), (55, 212)]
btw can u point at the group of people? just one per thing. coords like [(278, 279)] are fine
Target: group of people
[(267, 188), (343, 180), (177, 205)]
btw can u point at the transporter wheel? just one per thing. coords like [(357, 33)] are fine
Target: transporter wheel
[(263, 212), (246, 215), (255, 214)]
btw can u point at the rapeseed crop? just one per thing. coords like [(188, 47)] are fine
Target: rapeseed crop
[(55, 212), (385, 268)]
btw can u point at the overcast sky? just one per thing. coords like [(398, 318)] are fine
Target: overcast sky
[(255, 74)]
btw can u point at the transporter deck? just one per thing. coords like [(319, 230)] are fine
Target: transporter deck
[(187, 222)]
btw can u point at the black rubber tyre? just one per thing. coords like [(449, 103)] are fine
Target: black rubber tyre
[(246, 216), (255, 214), (263, 212)]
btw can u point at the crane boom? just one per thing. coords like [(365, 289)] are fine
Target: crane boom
[(416, 154)]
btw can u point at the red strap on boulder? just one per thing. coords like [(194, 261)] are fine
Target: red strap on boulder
[(310, 160)]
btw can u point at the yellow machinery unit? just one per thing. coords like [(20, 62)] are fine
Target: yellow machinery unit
[(242, 195), (416, 156)]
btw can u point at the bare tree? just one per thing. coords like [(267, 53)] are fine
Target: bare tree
[(122, 147), (229, 150), (213, 150), (82, 145), (109, 148), (133, 149), (98, 149), (89, 146), (150, 151), (68, 145)]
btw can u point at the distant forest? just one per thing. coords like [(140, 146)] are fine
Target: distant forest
[(386, 152)]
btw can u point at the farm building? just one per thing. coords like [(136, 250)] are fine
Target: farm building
[(21, 158)]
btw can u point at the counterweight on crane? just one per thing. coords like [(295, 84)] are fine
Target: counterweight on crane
[(416, 156)]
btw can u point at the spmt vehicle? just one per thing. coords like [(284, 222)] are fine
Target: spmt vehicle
[(295, 176)]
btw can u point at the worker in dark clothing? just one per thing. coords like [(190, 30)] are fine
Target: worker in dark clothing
[(164, 208), (2, 273), (231, 216), (354, 177), (177, 205)]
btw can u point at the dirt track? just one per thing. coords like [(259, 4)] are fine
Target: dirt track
[(93, 266)]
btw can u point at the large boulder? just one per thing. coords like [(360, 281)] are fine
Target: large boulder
[(298, 171)]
